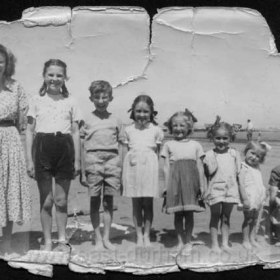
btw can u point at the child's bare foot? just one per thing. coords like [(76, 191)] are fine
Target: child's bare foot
[(139, 242), (187, 249), (247, 245), (216, 249), (108, 245), (226, 248), (46, 247), (180, 246), (99, 245), (255, 244), (147, 241)]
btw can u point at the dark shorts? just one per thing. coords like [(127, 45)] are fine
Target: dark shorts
[(53, 156)]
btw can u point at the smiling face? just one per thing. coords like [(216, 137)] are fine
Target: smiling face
[(142, 113), (54, 78), (101, 100), (2, 64), (221, 140), (180, 127), (254, 156)]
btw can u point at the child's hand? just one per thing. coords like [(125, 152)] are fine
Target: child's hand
[(163, 208), (83, 180), (30, 169), (77, 167), (246, 204)]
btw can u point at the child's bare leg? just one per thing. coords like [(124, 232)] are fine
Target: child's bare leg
[(226, 211), (7, 236), (246, 231), (107, 217), (178, 224), (60, 200), (214, 222), (253, 230), (95, 202), (188, 225), (148, 219), (138, 219), (46, 204)]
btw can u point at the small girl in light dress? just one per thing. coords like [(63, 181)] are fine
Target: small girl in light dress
[(252, 190), (184, 177), (140, 169), (222, 166)]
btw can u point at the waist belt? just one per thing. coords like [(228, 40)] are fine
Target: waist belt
[(6, 123), (58, 134)]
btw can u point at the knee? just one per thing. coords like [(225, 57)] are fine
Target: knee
[(60, 202), (47, 204), (108, 203), (225, 220)]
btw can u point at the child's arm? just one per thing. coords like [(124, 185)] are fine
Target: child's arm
[(202, 178), (77, 147), (31, 122), (83, 180), (243, 195), (166, 168)]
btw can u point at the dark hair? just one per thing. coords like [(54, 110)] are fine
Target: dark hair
[(61, 64), (257, 145), (149, 101), (222, 125), (188, 118), (10, 62), (100, 86)]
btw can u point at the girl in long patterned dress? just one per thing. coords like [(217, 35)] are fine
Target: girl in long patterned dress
[(15, 201)]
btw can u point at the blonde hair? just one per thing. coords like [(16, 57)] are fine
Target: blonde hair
[(188, 119)]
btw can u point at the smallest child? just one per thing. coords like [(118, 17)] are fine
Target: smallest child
[(252, 191), (101, 131)]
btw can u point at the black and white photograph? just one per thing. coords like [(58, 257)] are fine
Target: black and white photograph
[(141, 139)]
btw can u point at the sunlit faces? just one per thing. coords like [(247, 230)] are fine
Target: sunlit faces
[(101, 100), (254, 156), (180, 127), (142, 113), (2, 64), (221, 139), (54, 78)]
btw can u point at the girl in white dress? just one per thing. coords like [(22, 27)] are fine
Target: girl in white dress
[(140, 171), (252, 190)]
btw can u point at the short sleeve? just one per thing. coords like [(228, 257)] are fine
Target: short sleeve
[(199, 151), (274, 179), (32, 108), (76, 112), (238, 162), (210, 163), (22, 98), (165, 151), (120, 127), (159, 135), (125, 136)]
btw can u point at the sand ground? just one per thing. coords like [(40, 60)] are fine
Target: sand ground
[(162, 255)]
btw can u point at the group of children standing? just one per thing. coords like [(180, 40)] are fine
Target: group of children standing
[(114, 155)]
